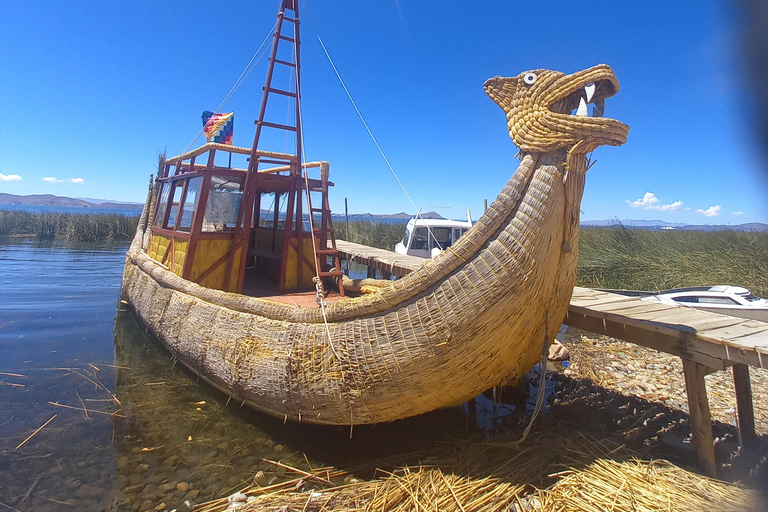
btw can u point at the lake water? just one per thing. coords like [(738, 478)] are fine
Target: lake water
[(125, 429)]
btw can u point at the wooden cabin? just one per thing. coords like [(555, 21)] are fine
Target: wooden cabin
[(210, 225)]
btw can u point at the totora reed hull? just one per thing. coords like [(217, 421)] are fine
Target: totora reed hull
[(475, 316)]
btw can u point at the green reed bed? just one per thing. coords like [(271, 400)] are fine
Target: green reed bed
[(67, 226), (658, 260), (382, 235)]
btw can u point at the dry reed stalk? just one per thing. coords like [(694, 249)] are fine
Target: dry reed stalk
[(95, 383), (299, 471), (114, 414), (17, 375), (116, 366), (36, 431), (85, 411)]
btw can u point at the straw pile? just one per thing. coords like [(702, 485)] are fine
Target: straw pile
[(638, 485), (555, 470)]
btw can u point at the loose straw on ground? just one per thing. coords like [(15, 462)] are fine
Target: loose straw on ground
[(36, 431)]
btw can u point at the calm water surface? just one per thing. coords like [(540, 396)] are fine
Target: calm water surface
[(128, 430)]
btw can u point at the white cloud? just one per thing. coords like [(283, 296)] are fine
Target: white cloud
[(51, 179), (77, 180), (9, 177), (737, 213), (650, 202), (712, 211)]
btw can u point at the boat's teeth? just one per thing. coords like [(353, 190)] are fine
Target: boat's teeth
[(599, 108), (582, 111), (590, 90)]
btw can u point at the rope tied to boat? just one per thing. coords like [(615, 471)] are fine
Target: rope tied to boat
[(542, 380), (319, 295)]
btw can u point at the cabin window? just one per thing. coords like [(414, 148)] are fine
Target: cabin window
[(420, 239), (178, 189), (726, 301), (162, 204), (271, 201), (442, 237), (190, 202), (223, 206)]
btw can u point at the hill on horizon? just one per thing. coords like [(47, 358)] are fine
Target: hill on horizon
[(63, 202)]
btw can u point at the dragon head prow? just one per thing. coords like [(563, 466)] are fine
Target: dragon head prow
[(539, 103)]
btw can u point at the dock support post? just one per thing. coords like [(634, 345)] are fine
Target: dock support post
[(744, 405), (701, 420)]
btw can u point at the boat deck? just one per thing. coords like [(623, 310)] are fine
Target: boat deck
[(254, 286), (705, 341)]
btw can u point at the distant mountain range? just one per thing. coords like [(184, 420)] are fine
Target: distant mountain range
[(50, 200), (64, 202), (660, 225)]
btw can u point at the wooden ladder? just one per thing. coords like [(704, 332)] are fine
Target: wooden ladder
[(325, 233)]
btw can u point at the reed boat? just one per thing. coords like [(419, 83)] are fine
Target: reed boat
[(477, 315)]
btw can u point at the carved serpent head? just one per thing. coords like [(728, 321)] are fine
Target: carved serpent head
[(547, 110)]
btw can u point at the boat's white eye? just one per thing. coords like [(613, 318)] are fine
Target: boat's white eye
[(529, 78)]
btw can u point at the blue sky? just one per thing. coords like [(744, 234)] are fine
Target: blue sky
[(90, 91)]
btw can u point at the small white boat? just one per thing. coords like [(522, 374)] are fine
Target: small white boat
[(426, 238), (726, 300)]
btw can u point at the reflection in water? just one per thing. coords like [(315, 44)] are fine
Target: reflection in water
[(181, 440)]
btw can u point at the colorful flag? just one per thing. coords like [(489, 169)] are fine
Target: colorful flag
[(218, 127)]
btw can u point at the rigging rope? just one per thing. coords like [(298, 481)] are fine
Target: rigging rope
[(360, 115), (243, 75)]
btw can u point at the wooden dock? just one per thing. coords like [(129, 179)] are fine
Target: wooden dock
[(706, 342), (387, 262)]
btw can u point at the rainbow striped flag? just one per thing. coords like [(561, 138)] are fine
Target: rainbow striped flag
[(219, 127)]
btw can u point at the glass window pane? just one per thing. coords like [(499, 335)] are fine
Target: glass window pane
[(162, 204), (223, 205), (190, 202), (419, 239), (178, 188)]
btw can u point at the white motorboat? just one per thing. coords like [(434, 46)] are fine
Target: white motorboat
[(726, 300), (426, 238)]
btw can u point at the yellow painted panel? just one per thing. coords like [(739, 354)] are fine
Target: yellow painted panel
[(291, 267), (235, 270), (158, 246), (209, 252), (179, 254)]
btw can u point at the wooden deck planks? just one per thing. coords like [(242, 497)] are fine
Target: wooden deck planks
[(381, 259), (708, 329)]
